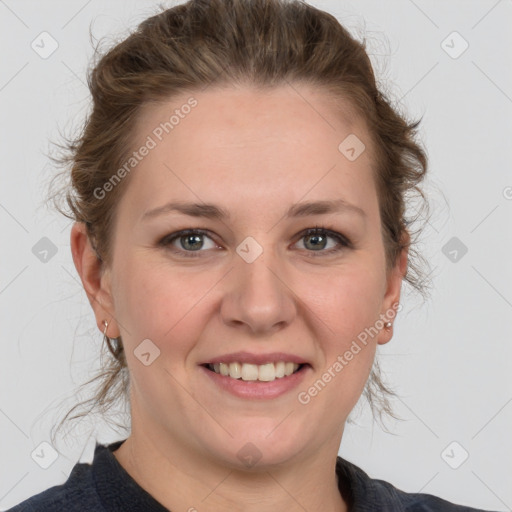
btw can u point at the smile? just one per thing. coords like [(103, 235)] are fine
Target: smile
[(255, 372)]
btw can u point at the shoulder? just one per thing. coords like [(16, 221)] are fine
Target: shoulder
[(76, 494), (371, 494), (418, 502)]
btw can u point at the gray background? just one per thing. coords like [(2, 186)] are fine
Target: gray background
[(450, 358)]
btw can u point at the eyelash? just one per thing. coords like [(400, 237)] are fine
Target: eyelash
[(343, 241)]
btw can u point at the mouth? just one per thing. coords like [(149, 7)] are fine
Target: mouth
[(267, 372)]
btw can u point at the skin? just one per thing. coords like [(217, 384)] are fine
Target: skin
[(253, 153)]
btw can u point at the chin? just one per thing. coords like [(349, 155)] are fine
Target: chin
[(254, 449)]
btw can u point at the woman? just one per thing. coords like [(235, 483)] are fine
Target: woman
[(239, 203)]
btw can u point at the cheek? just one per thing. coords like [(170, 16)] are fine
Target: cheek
[(160, 304), (348, 307), (347, 300), (165, 307)]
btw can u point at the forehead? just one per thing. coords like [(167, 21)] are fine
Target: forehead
[(227, 116), (277, 142)]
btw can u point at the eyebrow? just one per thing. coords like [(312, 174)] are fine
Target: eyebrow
[(212, 211)]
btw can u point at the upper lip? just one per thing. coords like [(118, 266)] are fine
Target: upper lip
[(259, 359)]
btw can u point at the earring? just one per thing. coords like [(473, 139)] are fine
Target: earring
[(118, 349), (388, 325)]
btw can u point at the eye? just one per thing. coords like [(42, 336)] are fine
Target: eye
[(190, 242), (316, 238)]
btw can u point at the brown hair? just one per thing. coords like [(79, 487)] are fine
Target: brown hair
[(264, 43)]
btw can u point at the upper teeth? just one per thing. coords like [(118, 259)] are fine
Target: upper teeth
[(265, 372)]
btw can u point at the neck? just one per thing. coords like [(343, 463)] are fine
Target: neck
[(181, 479)]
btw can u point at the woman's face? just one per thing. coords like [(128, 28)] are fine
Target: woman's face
[(252, 281)]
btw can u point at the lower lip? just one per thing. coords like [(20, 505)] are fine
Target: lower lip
[(256, 389)]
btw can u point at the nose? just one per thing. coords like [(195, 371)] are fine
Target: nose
[(258, 297)]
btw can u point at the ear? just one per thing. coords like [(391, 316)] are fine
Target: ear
[(392, 294), (95, 279)]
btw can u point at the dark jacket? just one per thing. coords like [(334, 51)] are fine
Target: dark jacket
[(104, 486)]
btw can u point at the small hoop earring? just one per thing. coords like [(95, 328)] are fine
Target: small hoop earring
[(116, 350)]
